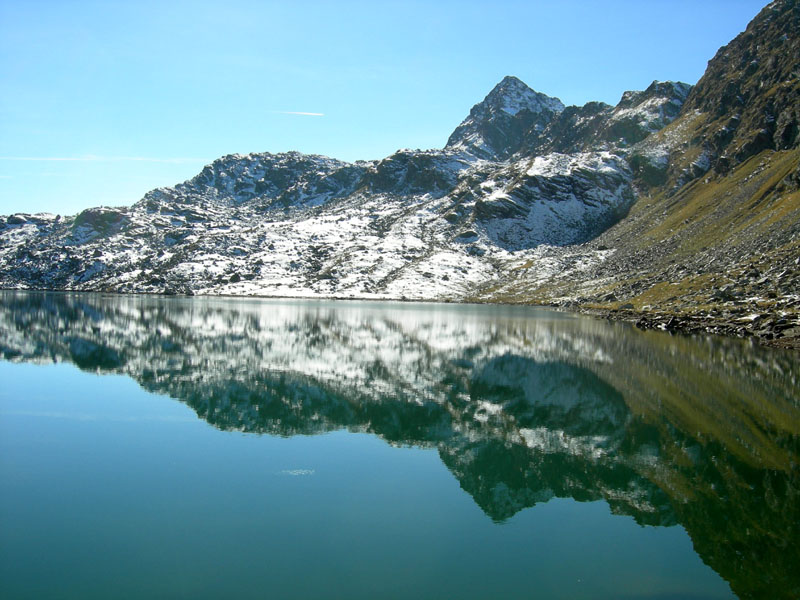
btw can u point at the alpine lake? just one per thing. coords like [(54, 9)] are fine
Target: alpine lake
[(179, 447)]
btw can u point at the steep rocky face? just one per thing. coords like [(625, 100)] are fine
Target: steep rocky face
[(749, 93), (556, 199), (732, 189), (575, 129), (639, 114), (579, 181), (496, 127), (747, 102)]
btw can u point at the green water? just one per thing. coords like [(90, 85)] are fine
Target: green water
[(200, 448)]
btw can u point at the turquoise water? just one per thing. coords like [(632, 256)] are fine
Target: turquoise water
[(190, 448)]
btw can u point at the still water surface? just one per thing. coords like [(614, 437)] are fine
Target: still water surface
[(206, 448)]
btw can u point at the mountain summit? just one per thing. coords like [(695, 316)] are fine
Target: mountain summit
[(511, 96), (496, 127)]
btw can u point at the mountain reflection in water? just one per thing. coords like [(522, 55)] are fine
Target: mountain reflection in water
[(522, 405)]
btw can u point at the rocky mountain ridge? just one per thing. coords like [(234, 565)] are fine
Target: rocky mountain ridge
[(404, 226), (680, 201)]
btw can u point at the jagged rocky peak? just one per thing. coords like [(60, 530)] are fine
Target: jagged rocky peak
[(496, 127), (511, 96)]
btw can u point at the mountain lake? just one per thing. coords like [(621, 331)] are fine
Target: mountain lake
[(177, 447)]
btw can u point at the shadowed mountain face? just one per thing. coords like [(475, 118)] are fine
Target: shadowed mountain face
[(522, 406)]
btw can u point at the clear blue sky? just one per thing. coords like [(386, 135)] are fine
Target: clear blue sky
[(102, 101)]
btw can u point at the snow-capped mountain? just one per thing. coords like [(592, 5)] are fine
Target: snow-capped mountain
[(435, 224)]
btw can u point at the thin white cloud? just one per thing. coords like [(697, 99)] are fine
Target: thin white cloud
[(302, 114), (93, 158)]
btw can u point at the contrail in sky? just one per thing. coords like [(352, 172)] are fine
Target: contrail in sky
[(303, 114), (92, 158)]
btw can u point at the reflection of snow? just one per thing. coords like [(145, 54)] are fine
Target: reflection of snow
[(552, 441)]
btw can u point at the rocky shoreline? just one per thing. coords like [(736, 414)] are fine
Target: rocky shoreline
[(776, 331)]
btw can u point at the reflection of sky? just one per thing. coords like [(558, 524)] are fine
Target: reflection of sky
[(144, 499)]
